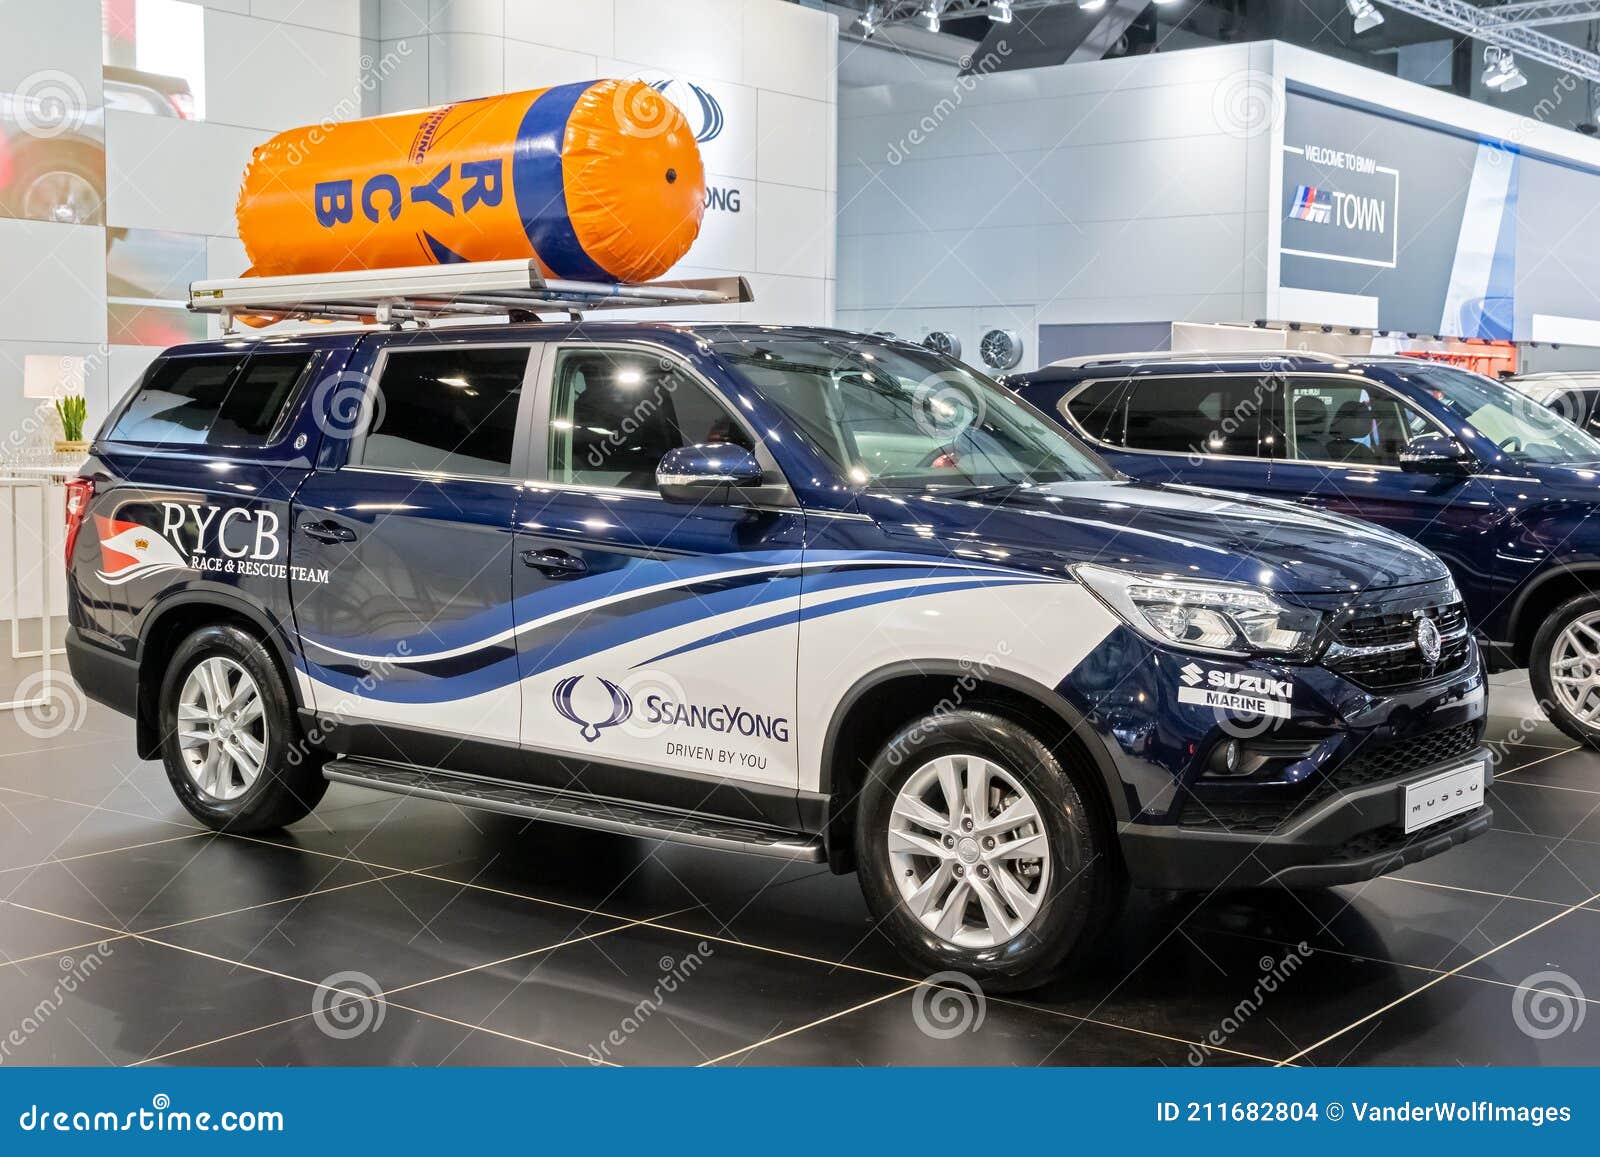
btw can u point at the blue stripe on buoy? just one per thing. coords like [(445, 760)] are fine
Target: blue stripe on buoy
[(539, 182)]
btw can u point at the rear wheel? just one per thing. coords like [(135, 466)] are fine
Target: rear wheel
[(980, 853), (1564, 668), (230, 741)]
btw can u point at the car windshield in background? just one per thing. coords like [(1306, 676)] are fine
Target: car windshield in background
[(902, 418), (1514, 422)]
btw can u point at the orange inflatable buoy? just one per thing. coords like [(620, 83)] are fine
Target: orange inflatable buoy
[(596, 182)]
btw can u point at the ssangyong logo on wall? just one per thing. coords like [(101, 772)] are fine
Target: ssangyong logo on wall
[(698, 105)]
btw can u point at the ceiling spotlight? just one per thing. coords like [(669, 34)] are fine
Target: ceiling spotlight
[(1503, 75), (1366, 17), (867, 23), (1000, 11), (930, 13), (1091, 5)]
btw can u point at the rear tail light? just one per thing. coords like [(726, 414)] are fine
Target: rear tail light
[(80, 492)]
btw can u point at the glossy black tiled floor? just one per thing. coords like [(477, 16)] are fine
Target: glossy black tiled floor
[(385, 931)]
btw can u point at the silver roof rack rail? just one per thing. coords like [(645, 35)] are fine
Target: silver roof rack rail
[(424, 293)]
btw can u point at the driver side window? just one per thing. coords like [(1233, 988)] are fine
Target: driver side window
[(615, 413), (1347, 423)]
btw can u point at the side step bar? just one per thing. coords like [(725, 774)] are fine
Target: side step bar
[(579, 810)]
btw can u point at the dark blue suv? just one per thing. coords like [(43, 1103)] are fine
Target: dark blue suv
[(1501, 488), (793, 592)]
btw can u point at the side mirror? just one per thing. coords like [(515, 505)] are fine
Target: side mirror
[(709, 473), (1435, 454)]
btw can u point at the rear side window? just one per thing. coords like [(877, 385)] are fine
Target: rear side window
[(448, 411), (1201, 415), (223, 400), (1099, 409)]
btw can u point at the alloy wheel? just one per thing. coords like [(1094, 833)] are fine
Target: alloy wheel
[(969, 852), (222, 728)]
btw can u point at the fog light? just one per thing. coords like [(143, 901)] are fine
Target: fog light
[(1225, 758)]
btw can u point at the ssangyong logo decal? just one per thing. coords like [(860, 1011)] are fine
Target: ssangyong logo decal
[(590, 729), (698, 105), (129, 551), (1429, 641)]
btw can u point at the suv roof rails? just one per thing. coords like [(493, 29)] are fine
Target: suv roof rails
[(423, 293), (1090, 360)]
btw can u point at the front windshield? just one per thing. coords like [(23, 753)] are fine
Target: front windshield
[(1522, 428), (895, 416)]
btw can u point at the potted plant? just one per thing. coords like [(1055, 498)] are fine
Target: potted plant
[(72, 410)]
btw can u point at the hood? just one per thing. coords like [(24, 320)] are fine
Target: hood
[(1580, 480), (1160, 529)]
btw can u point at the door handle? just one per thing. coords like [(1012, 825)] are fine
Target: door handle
[(328, 531), (555, 563)]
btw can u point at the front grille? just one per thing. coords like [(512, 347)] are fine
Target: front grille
[(1357, 639), (1366, 767)]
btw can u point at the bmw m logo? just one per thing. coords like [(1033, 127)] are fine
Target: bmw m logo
[(702, 109), (590, 729)]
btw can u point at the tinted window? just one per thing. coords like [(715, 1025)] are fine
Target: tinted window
[(209, 401), (615, 414), (1334, 421), (1099, 410), (451, 411), (1203, 415)]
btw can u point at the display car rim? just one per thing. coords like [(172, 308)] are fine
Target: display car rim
[(65, 197), (222, 728), (969, 851), (1575, 668)]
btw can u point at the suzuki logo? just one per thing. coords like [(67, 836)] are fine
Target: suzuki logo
[(621, 706), (701, 109), (1192, 673)]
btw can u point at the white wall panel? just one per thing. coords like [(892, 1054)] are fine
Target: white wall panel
[(52, 283), (693, 37), (793, 140), (182, 176), (793, 230), (63, 37), (539, 66), (787, 48), (404, 86), (588, 27), (463, 66), (342, 16), (262, 74)]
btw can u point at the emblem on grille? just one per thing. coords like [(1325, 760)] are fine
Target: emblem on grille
[(1429, 642)]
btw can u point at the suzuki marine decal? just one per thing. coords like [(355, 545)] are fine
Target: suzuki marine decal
[(201, 537), (1241, 691)]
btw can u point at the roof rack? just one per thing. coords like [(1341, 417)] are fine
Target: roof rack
[(1091, 360), (424, 293)]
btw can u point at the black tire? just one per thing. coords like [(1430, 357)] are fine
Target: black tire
[(290, 783), (1539, 656), (1088, 882)]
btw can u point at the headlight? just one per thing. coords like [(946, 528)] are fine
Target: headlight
[(1222, 618)]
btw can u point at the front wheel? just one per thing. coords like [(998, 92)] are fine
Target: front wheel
[(980, 853), (229, 738), (1564, 668)]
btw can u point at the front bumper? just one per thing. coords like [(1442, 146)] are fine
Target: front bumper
[(1346, 839)]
